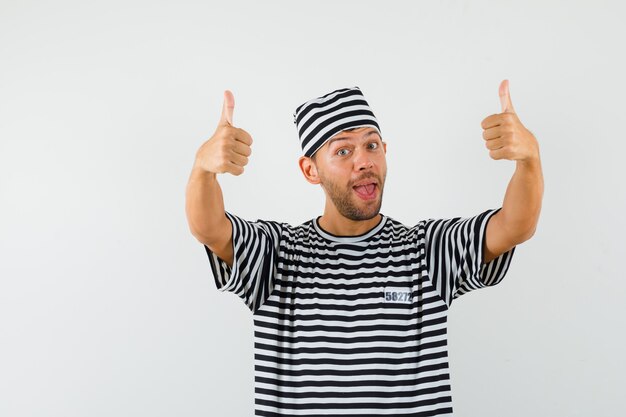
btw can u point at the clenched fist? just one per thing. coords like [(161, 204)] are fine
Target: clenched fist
[(229, 147)]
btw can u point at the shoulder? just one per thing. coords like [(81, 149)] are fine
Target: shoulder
[(295, 232), (397, 230)]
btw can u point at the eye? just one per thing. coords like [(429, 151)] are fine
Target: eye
[(373, 143), (342, 152)]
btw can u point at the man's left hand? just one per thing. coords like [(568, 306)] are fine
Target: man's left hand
[(505, 135)]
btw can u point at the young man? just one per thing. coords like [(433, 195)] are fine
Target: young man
[(350, 308)]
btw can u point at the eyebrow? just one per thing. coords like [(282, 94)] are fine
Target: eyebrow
[(345, 137)]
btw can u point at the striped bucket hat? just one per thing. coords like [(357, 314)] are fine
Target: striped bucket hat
[(321, 118)]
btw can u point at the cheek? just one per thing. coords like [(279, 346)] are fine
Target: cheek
[(383, 165)]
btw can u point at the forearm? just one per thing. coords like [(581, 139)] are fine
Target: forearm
[(204, 205), (522, 201)]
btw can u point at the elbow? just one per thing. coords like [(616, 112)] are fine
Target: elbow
[(198, 236), (525, 235), (206, 242), (197, 232), (520, 229)]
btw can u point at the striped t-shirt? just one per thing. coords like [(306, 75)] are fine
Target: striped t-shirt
[(354, 325)]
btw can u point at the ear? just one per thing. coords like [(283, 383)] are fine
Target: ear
[(385, 146), (309, 170)]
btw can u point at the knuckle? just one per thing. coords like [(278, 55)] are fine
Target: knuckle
[(246, 138), (230, 133), (221, 132), (224, 148)]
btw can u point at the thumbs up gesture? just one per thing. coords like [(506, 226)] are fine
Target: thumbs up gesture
[(229, 147), (505, 136)]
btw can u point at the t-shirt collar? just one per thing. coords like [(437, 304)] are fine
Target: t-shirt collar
[(349, 239)]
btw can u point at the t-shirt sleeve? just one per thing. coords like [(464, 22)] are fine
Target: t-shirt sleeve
[(454, 255), (255, 253)]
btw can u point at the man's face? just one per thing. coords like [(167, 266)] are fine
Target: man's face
[(352, 168)]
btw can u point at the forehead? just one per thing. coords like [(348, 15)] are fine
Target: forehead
[(364, 131), (356, 130)]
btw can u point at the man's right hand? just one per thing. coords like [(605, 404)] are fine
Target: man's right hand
[(229, 147)]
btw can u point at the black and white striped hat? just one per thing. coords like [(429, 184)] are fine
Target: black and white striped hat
[(321, 118)]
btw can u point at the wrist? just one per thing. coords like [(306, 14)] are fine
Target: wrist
[(530, 163), (198, 171)]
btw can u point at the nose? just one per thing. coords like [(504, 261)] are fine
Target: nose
[(363, 160)]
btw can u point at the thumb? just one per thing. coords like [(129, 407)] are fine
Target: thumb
[(505, 97), (227, 108)]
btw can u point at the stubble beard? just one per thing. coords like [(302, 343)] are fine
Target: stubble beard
[(343, 199)]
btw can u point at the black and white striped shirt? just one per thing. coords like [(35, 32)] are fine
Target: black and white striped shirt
[(355, 325)]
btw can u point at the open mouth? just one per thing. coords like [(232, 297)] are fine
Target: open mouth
[(366, 191)]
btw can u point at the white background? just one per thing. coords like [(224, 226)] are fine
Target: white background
[(107, 303)]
